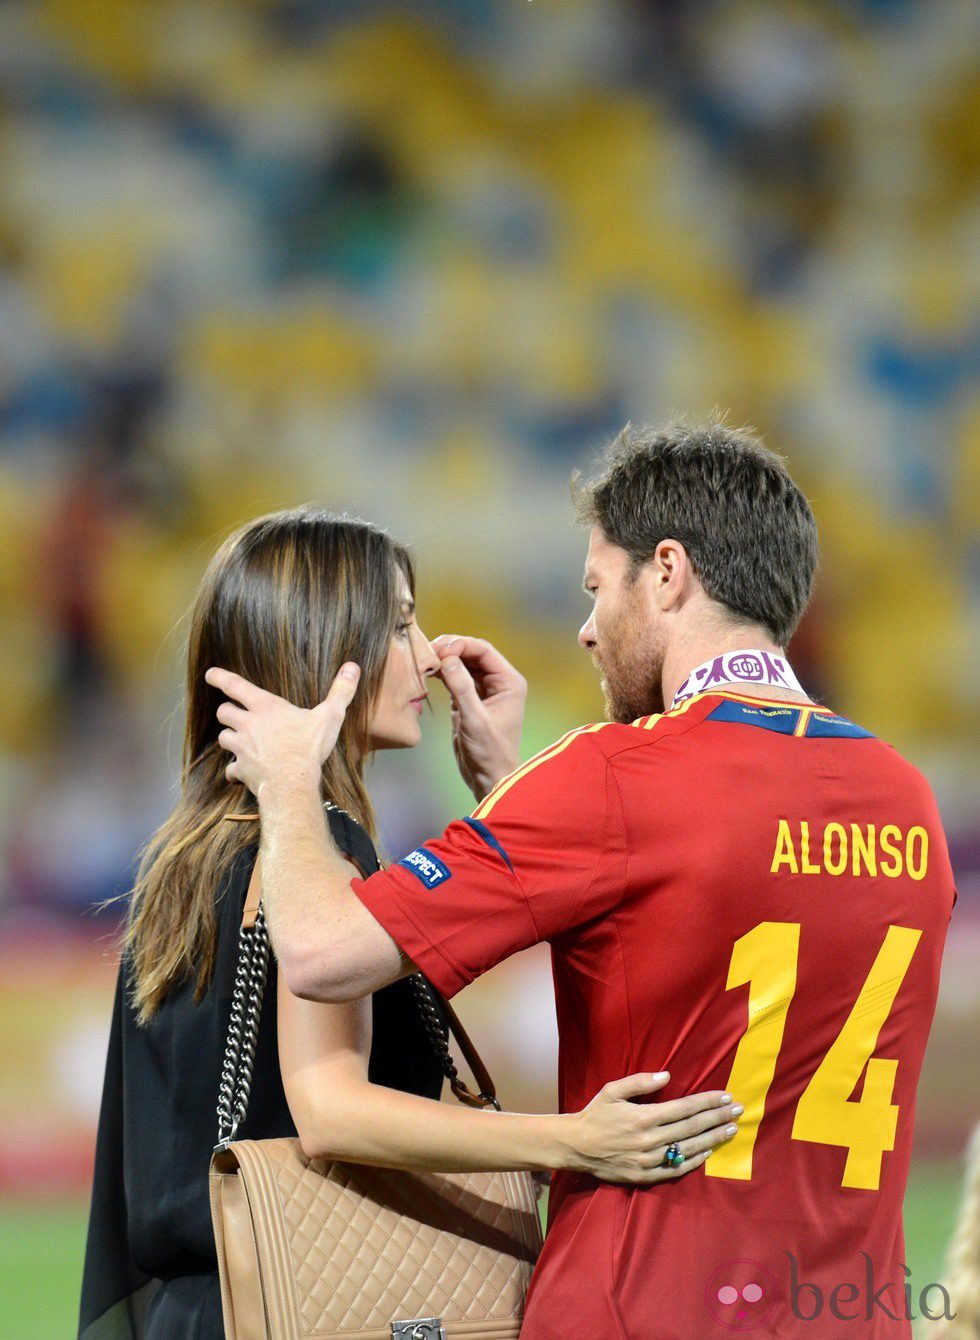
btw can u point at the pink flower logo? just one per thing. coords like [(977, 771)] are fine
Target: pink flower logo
[(741, 1295)]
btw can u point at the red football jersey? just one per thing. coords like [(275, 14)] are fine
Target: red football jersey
[(753, 895)]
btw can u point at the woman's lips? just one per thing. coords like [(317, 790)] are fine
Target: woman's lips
[(417, 703)]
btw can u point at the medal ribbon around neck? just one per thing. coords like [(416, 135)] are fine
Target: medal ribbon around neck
[(739, 667)]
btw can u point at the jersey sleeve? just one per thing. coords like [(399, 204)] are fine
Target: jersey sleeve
[(541, 856)]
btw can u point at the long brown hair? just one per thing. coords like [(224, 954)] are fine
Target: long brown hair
[(286, 600)]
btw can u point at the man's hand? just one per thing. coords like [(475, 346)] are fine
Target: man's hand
[(274, 742), (488, 697)]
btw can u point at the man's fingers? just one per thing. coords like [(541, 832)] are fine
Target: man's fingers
[(481, 658), (234, 686), (476, 651), (633, 1086), (459, 682), (230, 715), (342, 689)]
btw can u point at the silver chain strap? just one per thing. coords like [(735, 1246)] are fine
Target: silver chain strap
[(243, 1029), (433, 1025), (243, 1025)]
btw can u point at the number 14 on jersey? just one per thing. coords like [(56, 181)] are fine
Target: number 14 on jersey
[(766, 959)]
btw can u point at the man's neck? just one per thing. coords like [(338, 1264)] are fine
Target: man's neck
[(696, 648)]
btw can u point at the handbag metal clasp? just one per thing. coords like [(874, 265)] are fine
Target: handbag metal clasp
[(420, 1328)]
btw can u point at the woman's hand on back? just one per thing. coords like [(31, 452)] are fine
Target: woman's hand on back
[(488, 698), (618, 1140), (272, 741)]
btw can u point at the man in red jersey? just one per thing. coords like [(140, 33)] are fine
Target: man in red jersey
[(738, 885)]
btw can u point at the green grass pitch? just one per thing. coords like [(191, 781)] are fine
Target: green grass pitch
[(41, 1253)]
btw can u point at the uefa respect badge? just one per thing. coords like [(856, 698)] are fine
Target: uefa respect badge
[(426, 867)]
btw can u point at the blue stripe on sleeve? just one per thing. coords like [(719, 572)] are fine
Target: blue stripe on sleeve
[(488, 838)]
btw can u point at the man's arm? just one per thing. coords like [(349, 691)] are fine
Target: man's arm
[(328, 944)]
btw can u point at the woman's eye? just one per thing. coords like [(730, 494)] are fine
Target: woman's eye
[(402, 629)]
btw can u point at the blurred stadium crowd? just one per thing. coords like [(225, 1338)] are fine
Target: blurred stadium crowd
[(418, 261)]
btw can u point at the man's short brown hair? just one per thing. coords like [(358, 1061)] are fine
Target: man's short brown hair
[(747, 528)]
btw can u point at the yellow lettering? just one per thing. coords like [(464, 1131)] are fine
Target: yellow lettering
[(785, 853), (891, 833), (838, 866), (807, 865), (917, 869), (863, 850)]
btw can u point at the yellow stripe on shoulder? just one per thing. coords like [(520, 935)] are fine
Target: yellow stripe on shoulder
[(685, 706), (545, 755), (803, 722)]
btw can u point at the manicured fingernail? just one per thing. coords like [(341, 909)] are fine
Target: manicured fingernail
[(662, 1074), (731, 1130), (737, 1110), (725, 1098), (350, 670)]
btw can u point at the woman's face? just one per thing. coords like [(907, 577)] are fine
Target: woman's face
[(395, 722)]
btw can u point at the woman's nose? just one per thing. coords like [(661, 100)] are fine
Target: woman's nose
[(426, 656)]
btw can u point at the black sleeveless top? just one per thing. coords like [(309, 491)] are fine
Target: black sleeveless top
[(150, 1263)]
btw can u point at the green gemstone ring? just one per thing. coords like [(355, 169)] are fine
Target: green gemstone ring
[(673, 1158)]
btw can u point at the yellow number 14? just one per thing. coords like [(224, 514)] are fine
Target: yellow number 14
[(766, 959)]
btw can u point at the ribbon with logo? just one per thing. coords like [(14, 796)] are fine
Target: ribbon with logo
[(739, 667)]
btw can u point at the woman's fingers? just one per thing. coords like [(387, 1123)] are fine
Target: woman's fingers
[(678, 1109), (651, 1164), (717, 1117), (695, 1151), (709, 1140), (634, 1086), (651, 1170), (674, 1174)]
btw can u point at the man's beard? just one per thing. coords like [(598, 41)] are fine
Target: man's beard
[(632, 674)]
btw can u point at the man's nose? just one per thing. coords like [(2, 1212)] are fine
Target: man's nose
[(586, 634)]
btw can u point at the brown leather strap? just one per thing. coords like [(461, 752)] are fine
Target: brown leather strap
[(253, 898), (481, 1074), (487, 1097)]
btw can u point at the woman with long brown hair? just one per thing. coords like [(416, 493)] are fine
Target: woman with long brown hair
[(287, 601)]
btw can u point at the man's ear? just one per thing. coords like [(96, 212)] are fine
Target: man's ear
[(670, 573)]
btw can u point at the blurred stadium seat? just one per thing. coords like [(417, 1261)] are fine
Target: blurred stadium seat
[(419, 260)]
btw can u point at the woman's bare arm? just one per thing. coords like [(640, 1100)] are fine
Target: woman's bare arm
[(339, 1113)]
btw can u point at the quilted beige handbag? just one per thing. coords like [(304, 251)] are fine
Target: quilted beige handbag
[(330, 1251)]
